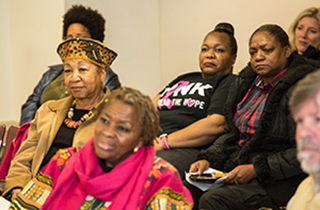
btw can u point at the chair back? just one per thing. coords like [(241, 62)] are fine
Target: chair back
[(2, 132), (10, 135)]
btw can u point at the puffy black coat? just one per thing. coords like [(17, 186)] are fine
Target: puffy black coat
[(312, 53), (32, 104), (272, 149)]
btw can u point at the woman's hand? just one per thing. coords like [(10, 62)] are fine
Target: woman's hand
[(15, 194), (157, 143), (199, 166), (241, 174)]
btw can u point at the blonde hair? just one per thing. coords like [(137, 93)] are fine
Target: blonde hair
[(313, 12)]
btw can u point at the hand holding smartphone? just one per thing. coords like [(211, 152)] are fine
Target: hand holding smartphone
[(207, 177)]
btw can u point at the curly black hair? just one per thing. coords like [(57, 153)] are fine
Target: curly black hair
[(88, 17)]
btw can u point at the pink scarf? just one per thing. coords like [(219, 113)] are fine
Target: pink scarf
[(83, 176)]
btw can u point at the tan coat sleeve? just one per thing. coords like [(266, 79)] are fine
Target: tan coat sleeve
[(19, 173), (29, 157), (42, 132)]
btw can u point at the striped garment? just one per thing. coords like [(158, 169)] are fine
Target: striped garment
[(249, 110)]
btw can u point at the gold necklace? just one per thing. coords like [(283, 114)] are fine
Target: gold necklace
[(70, 123)]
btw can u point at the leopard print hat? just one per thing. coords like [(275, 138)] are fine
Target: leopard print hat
[(87, 49)]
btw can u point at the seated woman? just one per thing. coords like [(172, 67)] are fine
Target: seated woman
[(65, 122), (257, 148), (78, 21), (116, 169), (305, 33), (191, 107)]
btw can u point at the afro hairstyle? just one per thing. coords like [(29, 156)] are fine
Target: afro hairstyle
[(88, 17)]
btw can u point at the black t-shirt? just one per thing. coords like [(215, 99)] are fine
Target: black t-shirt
[(190, 97), (64, 137)]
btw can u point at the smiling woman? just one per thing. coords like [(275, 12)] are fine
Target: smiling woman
[(119, 131), (116, 169), (305, 33)]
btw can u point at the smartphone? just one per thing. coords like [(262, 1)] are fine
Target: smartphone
[(206, 178)]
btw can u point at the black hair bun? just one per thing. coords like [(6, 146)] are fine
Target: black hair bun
[(226, 27)]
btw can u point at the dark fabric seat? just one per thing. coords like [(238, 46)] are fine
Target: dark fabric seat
[(10, 135), (2, 132)]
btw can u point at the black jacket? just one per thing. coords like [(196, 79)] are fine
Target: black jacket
[(32, 104), (312, 53), (272, 149)]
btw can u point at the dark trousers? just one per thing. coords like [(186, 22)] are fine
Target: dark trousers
[(181, 159), (232, 197)]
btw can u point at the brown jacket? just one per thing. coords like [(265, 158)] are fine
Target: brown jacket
[(42, 132)]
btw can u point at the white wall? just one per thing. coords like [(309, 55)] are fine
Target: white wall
[(30, 32), (156, 39), (184, 24), (132, 30), (6, 75)]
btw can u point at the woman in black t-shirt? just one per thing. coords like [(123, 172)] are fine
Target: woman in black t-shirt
[(191, 106)]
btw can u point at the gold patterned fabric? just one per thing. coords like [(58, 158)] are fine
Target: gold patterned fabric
[(87, 49)]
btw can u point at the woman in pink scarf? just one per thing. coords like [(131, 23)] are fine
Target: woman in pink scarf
[(116, 169)]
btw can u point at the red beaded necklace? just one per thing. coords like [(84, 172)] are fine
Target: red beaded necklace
[(70, 123)]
